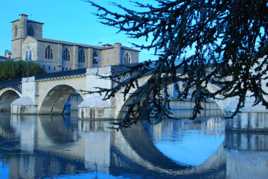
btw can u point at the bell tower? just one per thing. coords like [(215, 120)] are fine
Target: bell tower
[(18, 35), (22, 28)]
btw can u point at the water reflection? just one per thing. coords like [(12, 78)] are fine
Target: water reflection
[(199, 139), (45, 146)]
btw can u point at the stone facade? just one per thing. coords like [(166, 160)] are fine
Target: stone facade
[(54, 55)]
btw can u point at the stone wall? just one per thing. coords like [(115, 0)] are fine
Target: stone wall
[(110, 56), (30, 44)]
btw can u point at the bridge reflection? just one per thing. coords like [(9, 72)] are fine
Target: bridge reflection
[(52, 146)]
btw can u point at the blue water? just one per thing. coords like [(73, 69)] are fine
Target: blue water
[(44, 146), (57, 147), (4, 170), (189, 142), (195, 148)]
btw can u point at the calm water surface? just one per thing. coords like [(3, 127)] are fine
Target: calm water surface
[(65, 147)]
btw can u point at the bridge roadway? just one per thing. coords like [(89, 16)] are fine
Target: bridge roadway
[(93, 146)]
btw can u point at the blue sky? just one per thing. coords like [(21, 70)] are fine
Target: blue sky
[(70, 20)]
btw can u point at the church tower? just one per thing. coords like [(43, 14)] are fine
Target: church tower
[(22, 28)]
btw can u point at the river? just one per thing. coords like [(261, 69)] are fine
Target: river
[(66, 147)]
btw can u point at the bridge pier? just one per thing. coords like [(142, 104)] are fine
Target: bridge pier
[(93, 106), (26, 104)]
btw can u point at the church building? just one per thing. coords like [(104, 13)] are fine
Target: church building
[(29, 44)]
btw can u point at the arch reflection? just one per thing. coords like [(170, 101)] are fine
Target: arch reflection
[(92, 148)]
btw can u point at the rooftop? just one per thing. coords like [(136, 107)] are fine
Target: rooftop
[(23, 15), (103, 47), (67, 43)]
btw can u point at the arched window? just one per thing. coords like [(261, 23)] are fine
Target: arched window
[(95, 57), (81, 55), (65, 54), (28, 55), (30, 30), (15, 31), (48, 53), (127, 58)]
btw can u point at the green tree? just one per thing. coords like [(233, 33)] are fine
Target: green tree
[(228, 36), (10, 70)]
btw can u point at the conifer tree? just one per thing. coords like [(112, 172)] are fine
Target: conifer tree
[(223, 43)]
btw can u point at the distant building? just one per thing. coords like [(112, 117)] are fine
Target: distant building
[(8, 54), (55, 55), (2, 58)]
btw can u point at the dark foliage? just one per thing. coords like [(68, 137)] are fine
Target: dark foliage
[(199, 43), (10, 70)]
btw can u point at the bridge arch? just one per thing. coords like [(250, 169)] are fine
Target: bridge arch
[(147, 155), (7, 131), (122, 104), (55, 100), (7, 96), (134, 144), (57, 130)]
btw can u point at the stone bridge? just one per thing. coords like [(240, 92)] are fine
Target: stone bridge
[(49, 94)]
